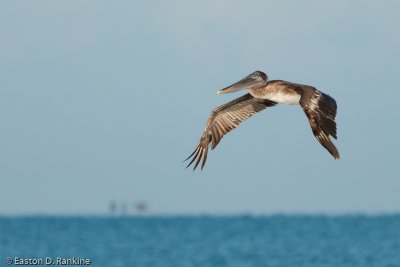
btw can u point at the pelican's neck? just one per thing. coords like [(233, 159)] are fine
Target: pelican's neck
[(258, 92)]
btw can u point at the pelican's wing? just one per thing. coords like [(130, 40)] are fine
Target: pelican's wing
[(222, 120), (320, 109)]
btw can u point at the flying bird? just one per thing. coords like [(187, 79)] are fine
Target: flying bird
[(319, 108)]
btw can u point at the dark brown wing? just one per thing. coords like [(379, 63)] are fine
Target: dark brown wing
[(224, 119), (321, 109)]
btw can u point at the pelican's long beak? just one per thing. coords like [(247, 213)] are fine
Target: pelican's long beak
[(247, 82)]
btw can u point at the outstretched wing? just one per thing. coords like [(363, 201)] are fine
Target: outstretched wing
[(320, 110), (224, 119)]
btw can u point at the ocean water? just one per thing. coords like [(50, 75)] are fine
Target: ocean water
[(205, 240)]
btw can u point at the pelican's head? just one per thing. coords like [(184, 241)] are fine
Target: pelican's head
[(256, 79)]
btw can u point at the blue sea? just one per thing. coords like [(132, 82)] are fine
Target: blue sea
[(276, 240)]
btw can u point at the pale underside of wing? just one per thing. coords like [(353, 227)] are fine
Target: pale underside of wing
[(224, 119), (320, 110)]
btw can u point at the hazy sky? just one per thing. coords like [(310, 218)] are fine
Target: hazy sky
[(102, 100)]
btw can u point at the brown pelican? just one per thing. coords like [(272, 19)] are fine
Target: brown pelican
[(319, 108)]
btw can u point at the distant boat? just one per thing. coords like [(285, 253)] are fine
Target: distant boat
[(319, 108), (141, 207), (113, 207)]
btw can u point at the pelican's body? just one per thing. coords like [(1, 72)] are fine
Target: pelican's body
[(319, 108), (277, 91)]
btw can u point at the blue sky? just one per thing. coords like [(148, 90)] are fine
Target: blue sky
[(102, 101)]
